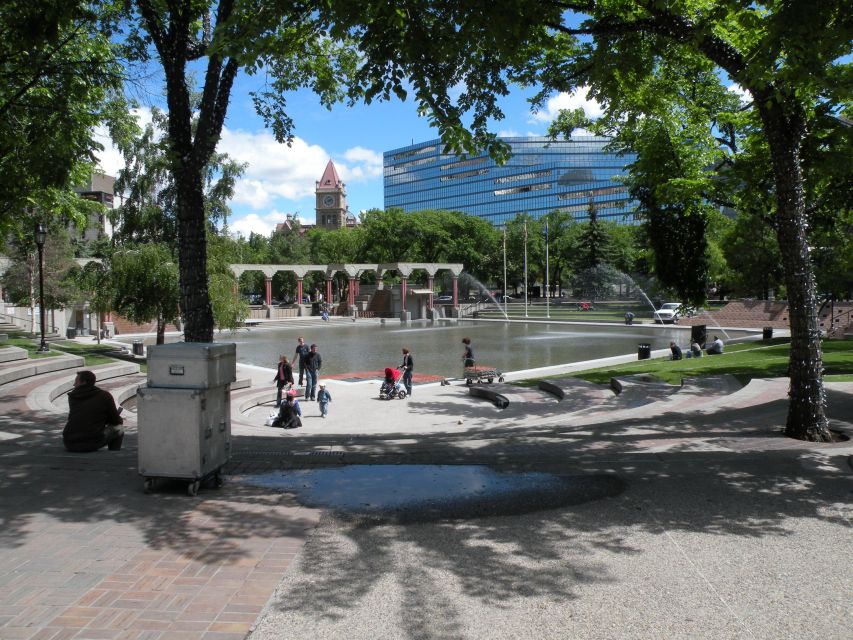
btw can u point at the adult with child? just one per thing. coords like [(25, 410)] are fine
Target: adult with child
[(407, 367), (93, 419), (299, 357), (313, 362), (290, 413), (283, 376), (716, 347)]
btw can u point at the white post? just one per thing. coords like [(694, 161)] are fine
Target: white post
[(547, 280), (525, 268), (504, 270)]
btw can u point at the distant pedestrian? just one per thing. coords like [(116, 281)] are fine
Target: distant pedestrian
[(299, 358), (629, 318), (468, 353), (716, 347), (283, 378), (323, 399), (676, 351), (313, 362), (408, 367)]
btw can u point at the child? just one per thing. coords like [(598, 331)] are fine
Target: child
[(324, 398), (283, 376)]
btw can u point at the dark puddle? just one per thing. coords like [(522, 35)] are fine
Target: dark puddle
[(425, 493)]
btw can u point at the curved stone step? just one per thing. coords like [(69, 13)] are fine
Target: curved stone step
[(41, 366), (45, 396), (11, 354)]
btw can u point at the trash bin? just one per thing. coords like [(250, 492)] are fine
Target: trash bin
[(138, 348), (767, 334), (699, 334), (70, 333), (644, 351)]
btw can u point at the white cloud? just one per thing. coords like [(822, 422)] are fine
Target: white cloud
[(254, 223), (744, 95), (591, 107), (278, 171), (110, 161)]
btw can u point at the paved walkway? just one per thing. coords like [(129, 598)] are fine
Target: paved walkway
[(726, 529)]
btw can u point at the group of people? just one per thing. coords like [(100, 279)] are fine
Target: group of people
[(716, 348), (309, 362)]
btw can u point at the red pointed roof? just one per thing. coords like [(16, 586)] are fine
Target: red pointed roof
[(330, 179)]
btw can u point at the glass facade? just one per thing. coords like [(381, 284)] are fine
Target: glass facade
[(542, 175)]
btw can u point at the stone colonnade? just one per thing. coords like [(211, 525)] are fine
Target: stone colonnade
[(353, 272)]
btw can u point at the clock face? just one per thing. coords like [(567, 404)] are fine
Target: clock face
[(328, 201)]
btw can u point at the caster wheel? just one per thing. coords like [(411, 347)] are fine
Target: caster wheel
[(148, 485), (192, 488), (468, 382), (218, 480), (401, 395), (491, 380)]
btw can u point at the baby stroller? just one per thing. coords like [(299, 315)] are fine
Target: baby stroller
[(391, 387)]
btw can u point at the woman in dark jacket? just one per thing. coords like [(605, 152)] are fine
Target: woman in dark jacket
[(283, 376)]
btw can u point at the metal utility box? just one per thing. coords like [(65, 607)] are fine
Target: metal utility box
[(192, 365), (183, 433)]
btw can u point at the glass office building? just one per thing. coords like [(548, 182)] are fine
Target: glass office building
[(542, 175)]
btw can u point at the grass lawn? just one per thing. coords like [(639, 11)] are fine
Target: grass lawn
[(765, 359), (93, 354)]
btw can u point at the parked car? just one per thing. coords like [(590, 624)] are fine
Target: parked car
[(445, 299), (668, 313)]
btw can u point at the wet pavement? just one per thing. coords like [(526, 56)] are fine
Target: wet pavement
[(428, 493)]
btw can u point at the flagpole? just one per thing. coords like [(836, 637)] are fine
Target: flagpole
[(504, 270), (547, 280), (525, 268)]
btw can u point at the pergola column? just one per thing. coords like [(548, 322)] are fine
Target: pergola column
[(268, 290), (429, 286), (298, 290), (351, 292), (455, 291), (404, 282), (328, 290)]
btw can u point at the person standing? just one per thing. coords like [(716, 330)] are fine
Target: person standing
[(313, 362), (299, 357), (93, 419), (408, 368), (323, 398), (468, 354), (283, 376)]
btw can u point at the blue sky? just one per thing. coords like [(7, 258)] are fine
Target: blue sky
[(280, 180)]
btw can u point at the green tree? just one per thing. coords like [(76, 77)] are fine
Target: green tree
[(145, 285), (289, 43), (769, 48), (58, 80)]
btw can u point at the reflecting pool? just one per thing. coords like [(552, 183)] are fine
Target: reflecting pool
[(437, 348)]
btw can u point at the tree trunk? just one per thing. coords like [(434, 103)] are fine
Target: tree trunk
[(192, 248), (785, 129)]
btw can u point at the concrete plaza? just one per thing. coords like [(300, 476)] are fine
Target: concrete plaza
[(725, 529)]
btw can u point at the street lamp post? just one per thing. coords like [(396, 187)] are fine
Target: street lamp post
[(41, 235)]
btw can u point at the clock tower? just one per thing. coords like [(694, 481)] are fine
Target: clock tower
[(331, 200)]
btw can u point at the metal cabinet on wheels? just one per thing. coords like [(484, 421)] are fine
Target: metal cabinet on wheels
[(185, 413)]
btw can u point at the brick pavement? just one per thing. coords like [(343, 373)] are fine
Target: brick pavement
[(85, 554)]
